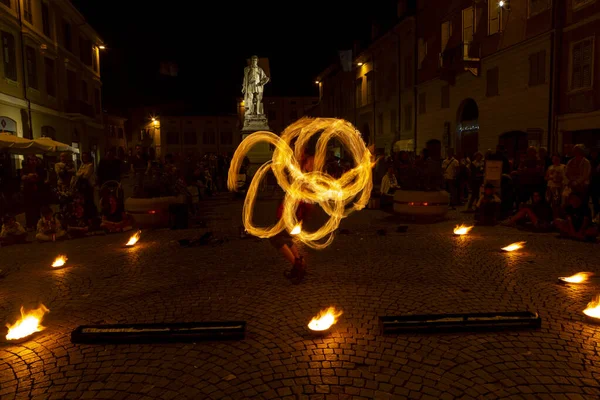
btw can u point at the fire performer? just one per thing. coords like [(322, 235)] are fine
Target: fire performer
[(284, 242)]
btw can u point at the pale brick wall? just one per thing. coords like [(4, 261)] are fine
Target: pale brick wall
[(517, 107)]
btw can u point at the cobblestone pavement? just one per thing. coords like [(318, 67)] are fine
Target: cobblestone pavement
[(425, 270)]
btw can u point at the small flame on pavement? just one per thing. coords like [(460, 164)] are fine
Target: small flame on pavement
[(593, 308), (325, 319), (514, 246), (579, 277), (462, 229), (60, 261), (134, 239), (297, 229), (28, 324)]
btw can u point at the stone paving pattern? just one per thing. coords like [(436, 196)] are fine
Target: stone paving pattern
[(425, 270)]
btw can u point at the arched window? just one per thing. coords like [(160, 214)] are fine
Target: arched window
[(48, 131), (8, 125)]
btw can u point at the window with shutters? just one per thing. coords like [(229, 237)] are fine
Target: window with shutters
[(9, 55), (358, 91), (50, 76), (577, 4), (67, 36), (422, 103), (494, 12), (190, 138), (407, 116), (208, 137), (27, 11), (226, 138), (370, 87), (537, 68), (31, 60), (446, 34), (582, 64), (538, 6), (85, 95), (492, 76), (46, 19), (445, 96), (97, 101)]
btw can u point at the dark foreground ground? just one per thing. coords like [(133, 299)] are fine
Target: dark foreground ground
[(425, 270)]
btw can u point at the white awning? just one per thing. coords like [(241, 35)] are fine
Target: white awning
[(404, 145)]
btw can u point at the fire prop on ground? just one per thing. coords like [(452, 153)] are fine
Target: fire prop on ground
[(28, 324)]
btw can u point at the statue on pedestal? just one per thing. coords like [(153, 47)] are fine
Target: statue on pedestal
[(252, 87)]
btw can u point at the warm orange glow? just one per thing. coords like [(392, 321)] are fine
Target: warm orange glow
[(134, 239), (60, 261), (514, 246), (462, 229), (593, 308), (101, 47), (325, 319), (317, 82), (337, 197), (579, 277), (28, 324), (359, 64), (297, 229)]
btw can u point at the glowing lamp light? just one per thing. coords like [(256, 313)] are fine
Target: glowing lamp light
[(102, 47), (60, 261), (501, 3), (359, 64), (513, 247), (317, 82), (593, 309), (324, 320), (579, 277), (134, 239), (28, 324), (462, 230)]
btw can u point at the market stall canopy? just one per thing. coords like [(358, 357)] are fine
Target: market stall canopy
[(404, 145), (52, 146), (17, 144)]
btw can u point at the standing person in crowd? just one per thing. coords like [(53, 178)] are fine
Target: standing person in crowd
[(389, 185), (32, 177), (140, 167), (531, 175), (450, 168), (477, 171), (65, 170), (500, 155), (578, 173), (109, 168), (84, 184), (594, 158), (462, 178), (544, 157), (555, 176)]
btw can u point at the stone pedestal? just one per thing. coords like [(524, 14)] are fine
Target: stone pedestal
[(261, 152)]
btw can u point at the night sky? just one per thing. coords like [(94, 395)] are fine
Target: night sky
[(210, 42)]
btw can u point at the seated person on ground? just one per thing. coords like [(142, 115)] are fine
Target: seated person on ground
[(389, 185), (48, 227), (488, 206), (538, 212), (578, 223), (114, 218), (12, 232), (77, 224)]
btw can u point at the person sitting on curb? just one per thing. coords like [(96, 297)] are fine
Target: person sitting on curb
[(578, 223), (389, 185), (12, 232), (538, 212), (49, 228), (488, 207)]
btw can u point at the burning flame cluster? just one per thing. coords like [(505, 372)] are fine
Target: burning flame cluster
[(28, 324), (579, 277), (60, 261), (333, 195), (593, 308), (514, 246), (134, 239), (462, 229), (325, 319)]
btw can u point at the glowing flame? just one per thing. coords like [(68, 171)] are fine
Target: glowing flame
[(462, 229), (337, 197), (60, 261), (514, 246), (297, 229), (593, 308), (325, 319), (134, 239), (577, 278), (28, 324)]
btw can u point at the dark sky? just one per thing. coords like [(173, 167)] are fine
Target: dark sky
[(210, 41)]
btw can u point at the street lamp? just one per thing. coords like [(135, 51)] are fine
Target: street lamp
[(102, 47), (359, 64)]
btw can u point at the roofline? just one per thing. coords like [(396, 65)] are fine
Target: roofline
[(66, 4)]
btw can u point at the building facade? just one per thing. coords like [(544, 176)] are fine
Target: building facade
[(374, 89), (114, 135), (578, 101), (195, 136), (50, 73), (483, 74)]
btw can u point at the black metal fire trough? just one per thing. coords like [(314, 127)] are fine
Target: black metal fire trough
[(458, 322), (146, 333)]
